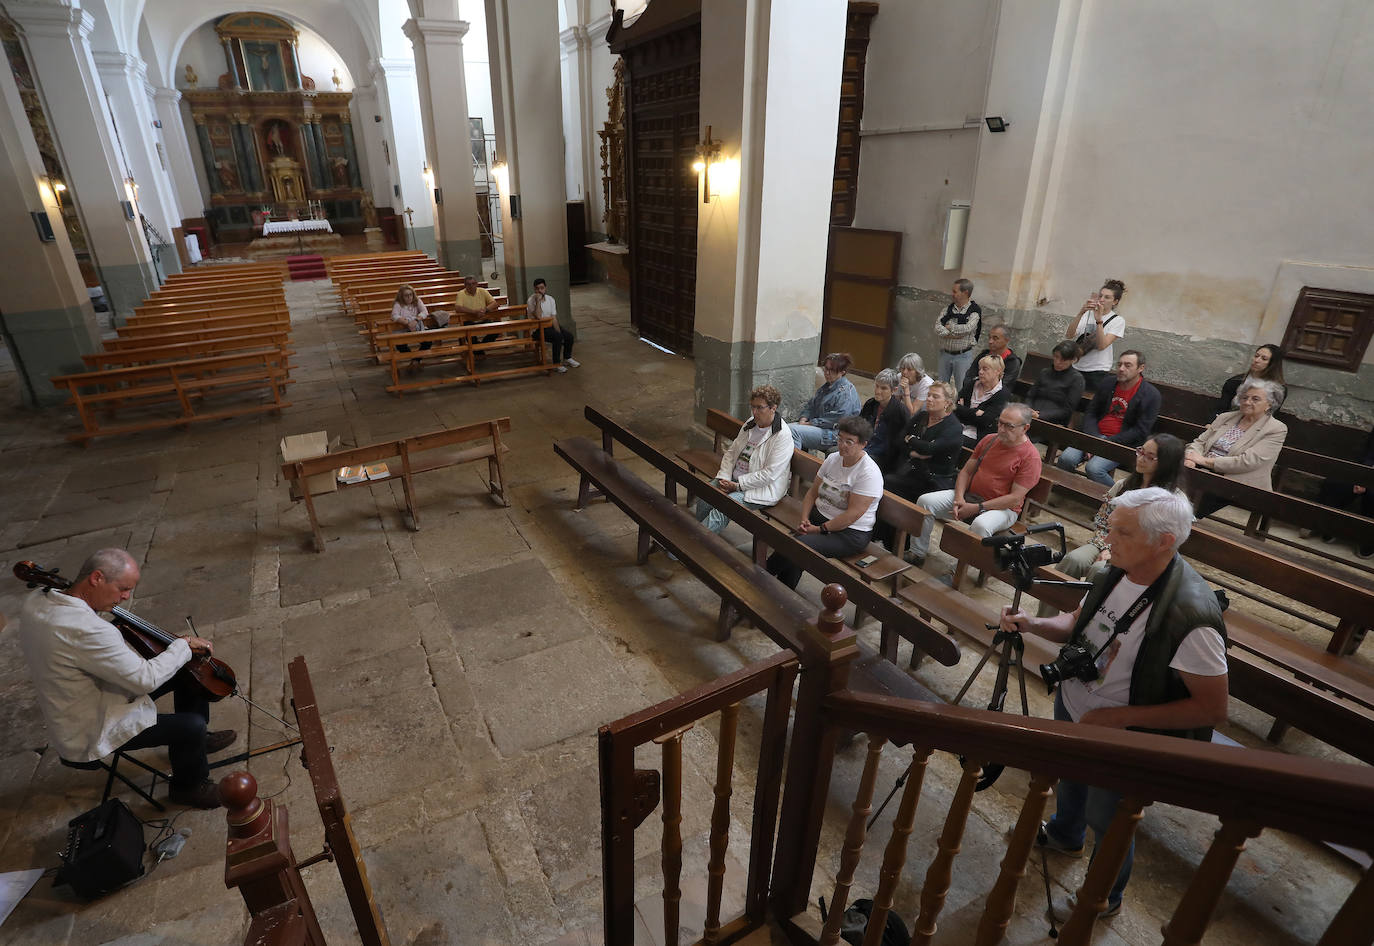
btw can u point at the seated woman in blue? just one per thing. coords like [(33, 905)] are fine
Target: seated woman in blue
[(837, 398)]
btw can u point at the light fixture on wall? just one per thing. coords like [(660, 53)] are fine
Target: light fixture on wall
[(501, 173), (708, 156), (131, 187), (997, 124), (428, 176)]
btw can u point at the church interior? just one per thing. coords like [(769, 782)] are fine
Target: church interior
[(545, 705)]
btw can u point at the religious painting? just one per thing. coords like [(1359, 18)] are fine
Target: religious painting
[(264, 65), (279, 138)]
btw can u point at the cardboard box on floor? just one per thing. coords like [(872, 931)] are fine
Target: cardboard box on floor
[(307, 447)]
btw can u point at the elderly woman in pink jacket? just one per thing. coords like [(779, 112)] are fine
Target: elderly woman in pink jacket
[(1241, 445)]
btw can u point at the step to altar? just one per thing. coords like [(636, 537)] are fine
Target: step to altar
[(309, 266)]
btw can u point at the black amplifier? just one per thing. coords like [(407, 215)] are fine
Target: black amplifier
[(104, 850)]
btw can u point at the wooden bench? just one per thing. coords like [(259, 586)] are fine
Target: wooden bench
[(423, 453), (183, 313), (743, 585), (176, 351), (461, 344), (203, 323), (184, 383), (191, 333), (904, 516), (374, 323), (770, 533)]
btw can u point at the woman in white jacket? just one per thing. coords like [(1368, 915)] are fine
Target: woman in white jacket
[(757, 465)]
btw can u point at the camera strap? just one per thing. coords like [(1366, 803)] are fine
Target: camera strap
[(1147, 598)]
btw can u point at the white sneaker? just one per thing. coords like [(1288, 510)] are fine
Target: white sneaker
[(572, 362), (561, 369)]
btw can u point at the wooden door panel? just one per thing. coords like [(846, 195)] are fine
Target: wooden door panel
[(860, 285)]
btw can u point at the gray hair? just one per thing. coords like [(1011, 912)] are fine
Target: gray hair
[(1022, 409), (965, 285), (112, 563), (1272, 390), (887, 376), (1161, 511), (912, 361)]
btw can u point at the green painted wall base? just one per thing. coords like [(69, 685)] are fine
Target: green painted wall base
[(1337, 397), (422, 239), (127, 286), (461, 256), (727, 371), (48, 342)]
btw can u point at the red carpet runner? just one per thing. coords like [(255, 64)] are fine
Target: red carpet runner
[(306, 267)]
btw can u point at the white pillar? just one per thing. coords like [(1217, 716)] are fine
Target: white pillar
[(60, 56), (522, 36), (46, 319), (394, 79), (124, 79), (770, 89), (438, 47), (177, 148)]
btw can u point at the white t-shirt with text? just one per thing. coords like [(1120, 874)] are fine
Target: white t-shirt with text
[(1202, 652), (838, 481)]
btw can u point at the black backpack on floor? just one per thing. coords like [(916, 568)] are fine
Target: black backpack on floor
[(855, 922)]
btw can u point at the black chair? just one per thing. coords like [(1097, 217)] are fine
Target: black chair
[(112, 767)]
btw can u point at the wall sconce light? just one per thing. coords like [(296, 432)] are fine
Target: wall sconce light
[(428, 176), (708, 155), (502, 175), (997, 124), (59, 188), (131, 188)]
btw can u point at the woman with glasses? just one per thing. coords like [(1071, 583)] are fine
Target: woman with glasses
[(833, 400), (756, 468), (840, 508), (1158, 462), (1241, 445)]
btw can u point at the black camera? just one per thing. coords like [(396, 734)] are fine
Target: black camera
[(1020, 560), (1075, 662)]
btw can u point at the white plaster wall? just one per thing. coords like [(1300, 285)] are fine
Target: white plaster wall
[(926, 78), (477, 66), (203, 52), (1209, 143)]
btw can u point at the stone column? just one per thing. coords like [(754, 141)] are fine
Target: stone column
[(46, 319), (246, 152), (397, 93), (124, 78), (183, 172), (292, 53), (60, 56), (321, 152), (207, 153), (770, 89), (229, 61), (355, 176), (308, 146), (438, 44), (522, 37)]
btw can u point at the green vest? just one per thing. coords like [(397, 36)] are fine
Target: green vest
[(1186, 601)]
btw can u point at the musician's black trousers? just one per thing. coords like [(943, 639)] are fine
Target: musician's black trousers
[(182, 732)]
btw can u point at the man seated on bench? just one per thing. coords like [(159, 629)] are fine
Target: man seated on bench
[(541, 305), (1153, 656), (991, 487), (757, 466), (1123, 410), (473, 301), (97, 695), (840, 508)]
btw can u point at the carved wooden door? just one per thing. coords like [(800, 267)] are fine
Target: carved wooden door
[(663, 90)]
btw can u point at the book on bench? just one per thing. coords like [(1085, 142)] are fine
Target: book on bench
[(352, 474)]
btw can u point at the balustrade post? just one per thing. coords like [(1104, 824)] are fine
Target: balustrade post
[(258, 861), (828, 648)]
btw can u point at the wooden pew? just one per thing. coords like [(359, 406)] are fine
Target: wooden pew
[(176, 351), (423, 453), (239, 323), (183, 383), (461, 345), (192, 331), (377, 322), (210, 310), (744, 586)]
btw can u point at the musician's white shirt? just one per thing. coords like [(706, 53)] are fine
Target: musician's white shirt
[(92, 688)]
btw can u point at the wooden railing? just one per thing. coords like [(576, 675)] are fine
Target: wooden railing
[(1247, 790), (629, 795)]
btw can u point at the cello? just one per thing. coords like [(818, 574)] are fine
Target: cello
[(148, 640)]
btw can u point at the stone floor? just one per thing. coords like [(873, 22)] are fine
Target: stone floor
[(462, 671)]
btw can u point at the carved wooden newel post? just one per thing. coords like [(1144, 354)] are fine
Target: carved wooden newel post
[(258, 860)]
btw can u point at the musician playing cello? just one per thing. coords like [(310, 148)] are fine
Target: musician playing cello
[(97, 694)]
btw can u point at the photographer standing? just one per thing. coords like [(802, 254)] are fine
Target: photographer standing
[(1146, 650)]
